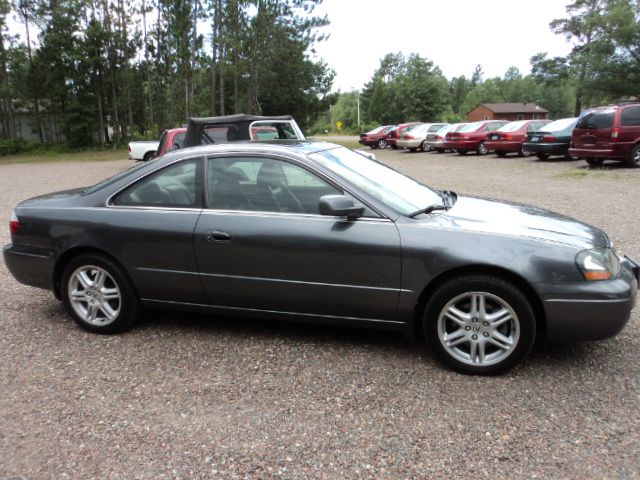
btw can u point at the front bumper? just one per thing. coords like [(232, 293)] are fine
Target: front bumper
[(590, 310), (30, 268)]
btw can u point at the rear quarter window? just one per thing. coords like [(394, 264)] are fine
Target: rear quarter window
[(630, 117)]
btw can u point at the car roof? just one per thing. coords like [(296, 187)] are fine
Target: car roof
[(300, 147)]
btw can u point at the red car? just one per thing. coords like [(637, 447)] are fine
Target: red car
[(394, 134), (510, 137), (472, 137), (376, 138), (608, 133)]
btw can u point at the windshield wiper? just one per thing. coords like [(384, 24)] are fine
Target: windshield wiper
[(429, 209)]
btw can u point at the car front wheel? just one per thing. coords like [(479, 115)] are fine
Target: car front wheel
[(99, 295), (501, 153), (461, 151), (479, 324), (481, 149), (542, 156), (382, 143)]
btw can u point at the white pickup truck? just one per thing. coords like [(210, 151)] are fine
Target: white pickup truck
[(144, 150)]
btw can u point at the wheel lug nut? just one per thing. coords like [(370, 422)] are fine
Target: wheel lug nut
[(474, 336), (474, 319), (486, 324), (467, 328), (486, 334)]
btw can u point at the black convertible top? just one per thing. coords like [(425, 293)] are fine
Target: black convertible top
[(237, 127)]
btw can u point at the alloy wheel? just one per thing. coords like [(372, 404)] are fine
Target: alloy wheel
[(94, 295), (478, 329)]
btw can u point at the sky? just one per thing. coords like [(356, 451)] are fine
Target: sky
[(456, 35)]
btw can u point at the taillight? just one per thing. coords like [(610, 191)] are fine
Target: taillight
[(408, 137), (505, 136), (14, 224), (129, 148), (548, 138), (614, 134), (438, 137)]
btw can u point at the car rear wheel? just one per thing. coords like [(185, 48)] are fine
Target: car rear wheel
[(542, 156), (523, 153), (148, 156), (424, 146), (382, 143), (481, 149), (501, 153), (479, 324), (461, 151), (99, 295), (634, 157), (595, 162)]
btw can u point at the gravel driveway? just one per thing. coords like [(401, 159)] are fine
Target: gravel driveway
[(186, 396)]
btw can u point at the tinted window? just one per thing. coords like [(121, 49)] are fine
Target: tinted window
[(471, 127), (559, 125), (173, 186), (494, 126), (597, 119), (630, 117), (178, 139), (265, 185)]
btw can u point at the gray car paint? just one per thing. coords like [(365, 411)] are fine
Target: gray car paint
[(372, 271)]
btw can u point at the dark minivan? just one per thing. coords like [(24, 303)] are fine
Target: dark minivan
[(608, 133)]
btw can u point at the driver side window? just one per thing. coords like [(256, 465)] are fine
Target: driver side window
[(263, 185)]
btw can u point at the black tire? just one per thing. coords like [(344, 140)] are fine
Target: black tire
[(394, 146), (424, 146), (413, 150), (148, 156), (382, 143), (481, 149), (461, 151), (634, 157), (595, 162), (373, 146), (567, 156), (128, 305), (440, 150), (523, 153), (501, 153), (542, 156), (521, 324)]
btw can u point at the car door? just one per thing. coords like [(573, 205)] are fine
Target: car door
[(629, 132), (261, 245)]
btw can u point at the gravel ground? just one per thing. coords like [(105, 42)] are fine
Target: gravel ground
[(186, 396)]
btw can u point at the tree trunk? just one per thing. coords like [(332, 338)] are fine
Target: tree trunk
[(6, 101), (147, 70), (214, 54), (36, 100), (114, 94)]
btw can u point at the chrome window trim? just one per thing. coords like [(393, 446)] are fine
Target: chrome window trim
[(294, 125), (259, 213)]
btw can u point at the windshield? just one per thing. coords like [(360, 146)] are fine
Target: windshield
[(471, 127), (113, 179), (390, 187), (558, 125), (413, 127), (513, 126)]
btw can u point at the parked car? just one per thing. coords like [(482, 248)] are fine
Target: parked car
[(316, 232), (394, 134), (217, 130), (435, 140), (472, 137), (608, 133), (552, 139), (376, 138), (510, 137), (416, 138)]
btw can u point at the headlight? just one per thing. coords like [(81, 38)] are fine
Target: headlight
[(598, 264)]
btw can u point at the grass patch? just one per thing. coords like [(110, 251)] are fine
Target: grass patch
[(576, 174), (86, 156)]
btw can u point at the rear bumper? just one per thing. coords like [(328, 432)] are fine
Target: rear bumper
[(367, 142), (546, 148), (33, 269), (590, 310), (461, 144), (604, 153), (502, 146)]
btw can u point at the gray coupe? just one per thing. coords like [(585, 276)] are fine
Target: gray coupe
[(315, 232)]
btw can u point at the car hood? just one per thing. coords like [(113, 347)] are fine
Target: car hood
[(505, 218)]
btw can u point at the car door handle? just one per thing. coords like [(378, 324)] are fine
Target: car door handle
[(218, 236)]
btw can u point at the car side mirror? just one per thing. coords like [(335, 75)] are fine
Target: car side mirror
[(340, 206)]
